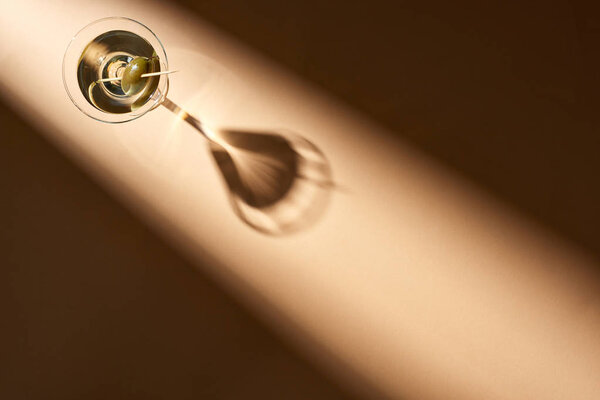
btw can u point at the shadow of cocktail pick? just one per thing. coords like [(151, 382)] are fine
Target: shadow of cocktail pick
[(278, 182)]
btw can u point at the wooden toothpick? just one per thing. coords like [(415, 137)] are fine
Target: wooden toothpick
[(142, 76)]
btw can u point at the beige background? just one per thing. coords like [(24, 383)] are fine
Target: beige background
[(413, 276)]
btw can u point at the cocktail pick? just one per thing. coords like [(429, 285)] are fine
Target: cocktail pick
[(143, 76)]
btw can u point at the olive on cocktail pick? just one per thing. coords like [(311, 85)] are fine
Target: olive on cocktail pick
[(150, 87), (138, 79), (132, 81)]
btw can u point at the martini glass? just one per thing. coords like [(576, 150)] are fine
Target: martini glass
[(116, 69)]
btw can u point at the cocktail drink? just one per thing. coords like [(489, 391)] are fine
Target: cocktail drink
[(110, 72), (116, 69)]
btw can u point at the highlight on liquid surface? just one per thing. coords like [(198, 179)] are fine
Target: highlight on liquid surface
[(118, 54)]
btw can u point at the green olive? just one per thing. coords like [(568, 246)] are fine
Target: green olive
[(150, 88), (132, 81)]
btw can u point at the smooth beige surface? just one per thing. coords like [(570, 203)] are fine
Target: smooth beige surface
[(419, 282)]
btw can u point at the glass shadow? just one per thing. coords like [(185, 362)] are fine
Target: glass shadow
[(278, 182)]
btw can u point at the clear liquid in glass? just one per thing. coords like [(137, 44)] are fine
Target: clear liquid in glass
[(107, 57)]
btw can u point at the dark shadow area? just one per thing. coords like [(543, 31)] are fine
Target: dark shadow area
[(278, 182), (268, 175), (505, 92), (95, 306)]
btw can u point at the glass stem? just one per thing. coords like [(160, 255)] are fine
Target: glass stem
[(184, 115)]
